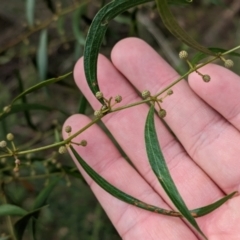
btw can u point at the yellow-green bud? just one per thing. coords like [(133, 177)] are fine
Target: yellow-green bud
[(170, 92), (206, 78), (10, 136), (162, 113), (145, 94), (229, 63), (183, 54), (118, 98), (98, 113), (99, 95), (62, 150), (7, 109), (3, 144), (68, 129)]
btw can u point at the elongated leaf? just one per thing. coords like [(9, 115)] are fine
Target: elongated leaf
[(41, 85), (21, 224), (160, 169), (41, 201), (133, 201), (96, 33), (11, 210), (173, 26), (207, 209), (200, 56), (30, 9), (27, 107), (42, 55), (24, 100), (118, 193)]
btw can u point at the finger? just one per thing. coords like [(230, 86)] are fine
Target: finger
[(127, 128), (204, 133), (131, 222), (221, 93)]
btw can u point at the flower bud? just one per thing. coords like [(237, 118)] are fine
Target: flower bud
[(83, 143), (229, 63), (99, 95), (3, 144), (68, 129), (98, 113), (170, 92), (162, 113), (118, 98), (62, 150), (10, 136), (183, 54), (206, 78), (145, 94)]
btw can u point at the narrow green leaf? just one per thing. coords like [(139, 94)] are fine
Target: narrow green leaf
[(173, 26), (160, 169), (131, 200), (82, 104), (209, 208), (41, 85), (118, 193), (21, 224), (41, 199), (42, 55), (96, 34), (24, 100), (30, 9), (11, 210), (28, 106)]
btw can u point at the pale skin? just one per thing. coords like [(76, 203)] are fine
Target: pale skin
[(205, 165)]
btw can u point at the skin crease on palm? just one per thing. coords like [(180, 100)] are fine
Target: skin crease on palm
[(205, 165)]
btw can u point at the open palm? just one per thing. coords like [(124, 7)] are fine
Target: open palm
[(204, 162)]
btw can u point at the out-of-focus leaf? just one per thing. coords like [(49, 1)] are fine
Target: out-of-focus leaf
[(160, 169), (24, 100), (200, 56), (30, 9), (78, 33), (42, 55), (41, 85), (5, 238), (11, 210), (27, 107), (173, 26), (21, 224), (41, 201)]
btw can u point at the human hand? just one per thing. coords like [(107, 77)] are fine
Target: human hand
[(205, 165)]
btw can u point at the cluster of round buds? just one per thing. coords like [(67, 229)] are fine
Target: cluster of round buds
[(99, 95), (145, 94), (162, 113), (228, 63), (206, 78), (118, 99), (62, 150), (183, 54)]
